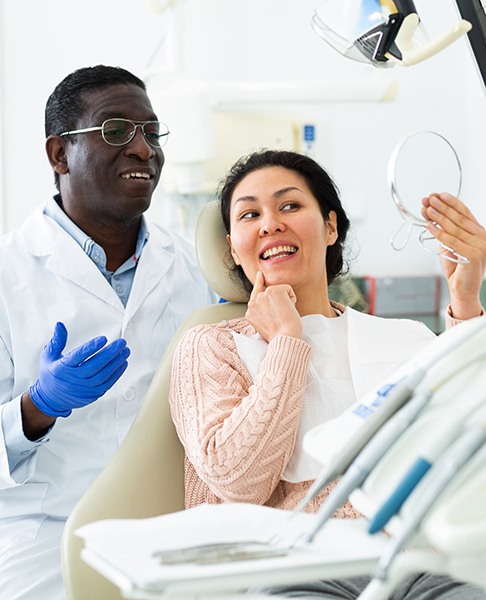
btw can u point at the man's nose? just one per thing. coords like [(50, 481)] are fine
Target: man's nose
[(139, 146)]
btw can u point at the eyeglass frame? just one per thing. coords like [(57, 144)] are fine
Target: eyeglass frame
[(135, 124)]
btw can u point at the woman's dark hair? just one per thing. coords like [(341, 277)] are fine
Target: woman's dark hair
[(319, 183), (69, 100)]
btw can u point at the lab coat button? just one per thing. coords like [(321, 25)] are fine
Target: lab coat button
[(129, 395)]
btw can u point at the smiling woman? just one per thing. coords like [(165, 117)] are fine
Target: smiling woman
[(244, 393)]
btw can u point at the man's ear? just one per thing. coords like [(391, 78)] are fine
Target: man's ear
[(56, 154), (233, 253)]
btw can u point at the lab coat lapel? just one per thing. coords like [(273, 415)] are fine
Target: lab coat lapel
[(66, 258), (156, 260)]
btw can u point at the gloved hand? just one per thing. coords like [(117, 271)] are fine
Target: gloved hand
[(78, 378)]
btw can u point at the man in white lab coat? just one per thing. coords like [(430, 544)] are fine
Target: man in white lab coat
[(88, 287)]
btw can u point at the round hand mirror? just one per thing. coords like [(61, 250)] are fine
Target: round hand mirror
[(421, 164)]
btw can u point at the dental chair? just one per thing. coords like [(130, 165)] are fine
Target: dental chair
[(145, 477)]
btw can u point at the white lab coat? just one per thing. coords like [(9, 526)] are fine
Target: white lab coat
[(46, 277)]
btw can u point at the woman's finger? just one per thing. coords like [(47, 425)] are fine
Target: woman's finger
[(259, 285), (451, 214)]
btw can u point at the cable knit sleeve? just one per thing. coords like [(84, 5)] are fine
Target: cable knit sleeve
[(238, 436)]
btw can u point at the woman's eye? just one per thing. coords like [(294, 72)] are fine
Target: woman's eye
[(290, 206), (249, 215)]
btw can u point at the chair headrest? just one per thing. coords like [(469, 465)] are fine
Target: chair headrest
[(213, 254)]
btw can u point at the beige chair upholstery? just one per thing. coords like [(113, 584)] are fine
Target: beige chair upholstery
[(145, 477)]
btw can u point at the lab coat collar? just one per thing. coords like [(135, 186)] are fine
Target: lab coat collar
[(45, 238)]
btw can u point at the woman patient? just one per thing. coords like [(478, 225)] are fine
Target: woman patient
[(245, 392)]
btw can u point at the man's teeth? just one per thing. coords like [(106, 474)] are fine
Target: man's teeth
[(279, 251), (136, 175)]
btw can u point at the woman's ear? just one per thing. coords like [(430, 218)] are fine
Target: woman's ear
[(331, 228), (233, 253), (56, 154)]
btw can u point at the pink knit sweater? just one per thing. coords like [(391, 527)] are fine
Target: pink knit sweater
[(238, 437)]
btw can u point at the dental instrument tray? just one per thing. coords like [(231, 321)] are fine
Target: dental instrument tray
[(223, 547)]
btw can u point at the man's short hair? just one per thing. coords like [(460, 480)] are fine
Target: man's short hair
[(67, 103)]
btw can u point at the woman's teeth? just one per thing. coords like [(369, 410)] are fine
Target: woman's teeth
[(279, 251)]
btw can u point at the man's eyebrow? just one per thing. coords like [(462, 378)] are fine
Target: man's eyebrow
[(277, 194), (120, 115)]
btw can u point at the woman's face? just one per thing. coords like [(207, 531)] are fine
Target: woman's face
[(277, 228)]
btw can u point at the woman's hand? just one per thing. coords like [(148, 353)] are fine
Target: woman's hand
[(271, 310), (453, 224)]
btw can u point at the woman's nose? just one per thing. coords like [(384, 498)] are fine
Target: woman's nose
[(271, 224)]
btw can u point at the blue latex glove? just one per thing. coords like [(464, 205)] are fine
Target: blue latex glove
[(78, 378)]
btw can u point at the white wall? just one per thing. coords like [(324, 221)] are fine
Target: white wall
[(254, 40)]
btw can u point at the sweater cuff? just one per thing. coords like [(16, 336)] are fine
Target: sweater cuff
[(451, 321), (294, 352)]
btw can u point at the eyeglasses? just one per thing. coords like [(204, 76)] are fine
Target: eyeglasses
[(118, 132)]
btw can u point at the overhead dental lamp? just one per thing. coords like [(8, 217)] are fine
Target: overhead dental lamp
[(383, 33)]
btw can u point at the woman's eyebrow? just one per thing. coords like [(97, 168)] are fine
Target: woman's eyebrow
[(285, 190), (276, 194), (245, 199)]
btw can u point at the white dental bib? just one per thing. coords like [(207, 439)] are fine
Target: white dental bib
[(329, 388)]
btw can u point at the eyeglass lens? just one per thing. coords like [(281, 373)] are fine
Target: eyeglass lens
[(120, 131)]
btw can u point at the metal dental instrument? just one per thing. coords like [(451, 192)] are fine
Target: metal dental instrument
[(223, 552)]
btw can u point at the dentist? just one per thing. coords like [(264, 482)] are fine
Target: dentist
[(84, 282)]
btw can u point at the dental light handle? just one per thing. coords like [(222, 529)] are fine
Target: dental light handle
[(412, 55), (440, 476), (368, 458)]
